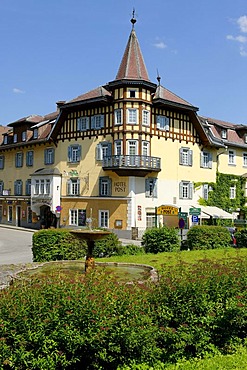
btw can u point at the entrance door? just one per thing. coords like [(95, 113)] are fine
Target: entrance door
[(18, 216)]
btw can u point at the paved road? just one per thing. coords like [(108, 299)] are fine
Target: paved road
[(15, 246)]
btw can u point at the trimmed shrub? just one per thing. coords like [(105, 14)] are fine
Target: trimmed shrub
[(208, 237), (160, 239), (56, 245), (241, 237)]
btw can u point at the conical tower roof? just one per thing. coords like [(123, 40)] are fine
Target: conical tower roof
[(132, 66)]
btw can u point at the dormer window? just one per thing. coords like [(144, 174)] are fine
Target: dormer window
[(35, 133), (224, 134), (245, 138), (15, 138), (5, 140), (24, 136), (132, 93)]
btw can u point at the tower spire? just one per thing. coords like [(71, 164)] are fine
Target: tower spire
[(133, 20)]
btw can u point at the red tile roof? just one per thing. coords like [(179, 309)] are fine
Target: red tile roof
[(93, 94), (132, 65), (165, 94)]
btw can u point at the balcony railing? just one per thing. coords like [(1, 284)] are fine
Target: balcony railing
[(139, 164)]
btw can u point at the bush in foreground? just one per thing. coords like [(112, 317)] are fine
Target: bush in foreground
[(160, 239), (57, 245), (208, 237), (93, 322)]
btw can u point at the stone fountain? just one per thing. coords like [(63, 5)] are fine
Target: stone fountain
[(90, 236)]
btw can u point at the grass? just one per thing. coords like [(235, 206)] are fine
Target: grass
[(172, 258)]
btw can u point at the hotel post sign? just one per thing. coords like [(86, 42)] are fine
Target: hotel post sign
[(167, 210)]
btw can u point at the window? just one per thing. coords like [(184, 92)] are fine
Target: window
[(232, 192), (97, 121), (150, 220), (1, 162), (77, 217), (19, 160), (103, 218), (244, 160), (15, 138), (118, 147), (49, 156), (35, 133), (151, 187), (18, 187), (42, 187), (118, 116), (24, 136), (73, 187), (74, 153), (36, 187), (48, 186), (145, 117), (163, 123), (132, 116), (82, 123), (1, 187), (185, 190), (206, 159), (103, 149), (145, 148), (29, 215), (5, 139), (224, 134), (104, 186), (185, 156), (10, 213), (132, 93), (132, 147), (205, 191), (29, 158), (28, 187), (231, 157)]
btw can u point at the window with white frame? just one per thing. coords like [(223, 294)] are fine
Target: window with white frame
[(10, 213), (185, 157), (49, 155), (224, 134), (151, 187), (5, 139), (73, 187), (1, 187), (104, 186), (74, 153), (118, 116), (206, 159), (18, 187), (42, 187), (245, 159), (118, 144), (146, 148), (104, 218), (36, 187), (19, 159), (205, 191), (82, 123), (185, 190), (29, 158), (163, 123), (24, 136), (35, 133), (150, 220), (48, 186), (15, 138), (97, 121), (233, 192), (132, 116), (1, 162), (28, 187), (103, 150), (146, 117), (132, 147), (231, 157), (77, 217), (132, 93)]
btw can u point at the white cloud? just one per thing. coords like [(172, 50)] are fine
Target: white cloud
[(240, 38), (18, 91), (160, 45), (243, 51), (242, 22)]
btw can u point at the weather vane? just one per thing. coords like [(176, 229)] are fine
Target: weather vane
[(133, 20)]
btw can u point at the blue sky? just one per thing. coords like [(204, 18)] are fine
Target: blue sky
[(55, 50)]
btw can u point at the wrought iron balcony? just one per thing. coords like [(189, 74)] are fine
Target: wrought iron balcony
[(131, 165)]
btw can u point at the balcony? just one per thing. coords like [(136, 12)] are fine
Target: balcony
[(131, 165)]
